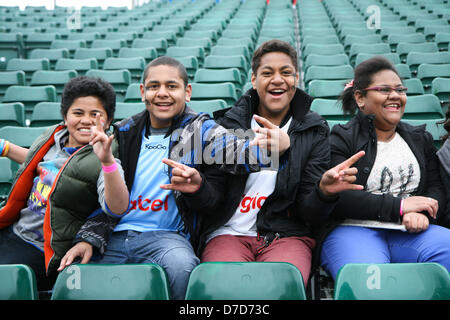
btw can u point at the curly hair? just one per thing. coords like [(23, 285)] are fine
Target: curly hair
[(83, 86)]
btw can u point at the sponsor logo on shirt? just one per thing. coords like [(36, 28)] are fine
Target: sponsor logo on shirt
[(248, 203), (148, 204), (155, 147)]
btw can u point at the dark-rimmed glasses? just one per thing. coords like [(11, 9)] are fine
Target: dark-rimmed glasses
[(387, 90)]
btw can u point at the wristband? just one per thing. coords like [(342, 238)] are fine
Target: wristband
[(401, 207), (110, 168), (4, 147)]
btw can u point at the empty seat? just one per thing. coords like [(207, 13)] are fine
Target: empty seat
[(442, 39), (127, 109), (81, 66), (53, 55), (159, 44), (378, 48), (39, 40), (136, 66), (46, 114), (211, 91), (10, 78), (191, 65), (414, 85), (392, 281), (148, 54), (21, 136), (433, 126), (427, 72), (364, 39), (396, 38), (58, 79), (231, 51), (440, 87), (205, 43), (133, 93), (12, 114), (28, 66), (414, 59), (392, 57), (30, 96), (330, 109), (11, 46), (208, 106), (100, 54), (404, 48), (195, 51), (425, 106), (324, 49), (112, 282), (18, 282), (226, 62), (71, 45), (119, 79), (245, 281), (218, 76), (114, 45), (325, 60), (6, 179), (328, 73), (329, 89), (403, 70)]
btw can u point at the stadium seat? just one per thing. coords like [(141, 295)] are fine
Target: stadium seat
[(136, 66), (12, 114), (395, 38), (210, 91), (58, 79), (218, 76), (53, 55), (6, 179), (414, 86), (46, 114), (128, 37), (434, 126), (119, 79), (21, 136), (245, 281), (114, 45), (18, 282), (377, 48), (330, 109), (100, 54), (226, 62), (323, 49), (71, 45), (425, 106), (170, 36), (29, 96), (86, 36), (431, 31), (392, 281), (148, 54), (208, 106), (344, 72), (81, 66), (404, 48), (111, 282), (179, 52), (127, 109), (403, 70), (442, 39), (159, 44), (365, 39), (328, 89), (392, 57), (191, 65), (38, 40), (10, 78), (219, 50), (247, 41), (28, 66), (414, 59), (11, 46), (440, 87), (325, 60), (427, 72), (133, 93), (205, 43)]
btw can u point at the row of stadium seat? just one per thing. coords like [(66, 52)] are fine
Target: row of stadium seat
[(230, 281)]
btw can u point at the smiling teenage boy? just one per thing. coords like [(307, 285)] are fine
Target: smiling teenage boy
[(267, 215)]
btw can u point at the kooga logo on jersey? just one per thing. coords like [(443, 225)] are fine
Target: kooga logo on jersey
[(158, 146)]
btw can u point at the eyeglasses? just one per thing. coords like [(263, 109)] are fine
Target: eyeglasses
[(386, 90)]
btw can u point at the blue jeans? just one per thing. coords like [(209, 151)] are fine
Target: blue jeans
[(349, 244), (171, 250)]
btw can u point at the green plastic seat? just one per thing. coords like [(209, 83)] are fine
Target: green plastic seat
[(344, 72), (392, 57), (433, 126), (38, 40), (364, 39), (210, 91), (148, 54), (414, 59), (159, 44), (170, 36), (53, 55), (376, 48), (404, 48), (18, 282), (414, 85), (427, 72), (226, 62), (81, 66), (28, 66), (12, 114), (30, 96), (324, 49), (218, 76), (119, 79), (396, 38), (86, 36), (58, 79), (11, 46), (328, 89), (329, 109), (71, 45), (127, 109), (100, 54), (231, 51), (128, 37), (426, 106), (431, 31), (10, 78), (136, 66), (6, 179), (191, 65), (442, 40), (246, 41), (46, 114), (179, 52), (208, 106), (325, 60), (114, 45), (133, 93), (440, 87), (403, 70), (111, 282), (245, 281), (392, 281), (331, 39), (205, 43)]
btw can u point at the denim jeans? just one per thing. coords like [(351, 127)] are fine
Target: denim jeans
[(171, 250), (348, 244)]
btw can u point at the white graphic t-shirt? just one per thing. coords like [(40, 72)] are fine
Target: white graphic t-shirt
[(258, 187)]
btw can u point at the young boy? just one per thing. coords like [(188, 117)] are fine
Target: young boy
[(267, 215), (158, 227)]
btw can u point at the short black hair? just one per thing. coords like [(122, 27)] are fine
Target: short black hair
[(273, 46), (362, 79), (167, 61), (84, 86)]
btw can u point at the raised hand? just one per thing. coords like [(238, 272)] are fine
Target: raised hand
[(341, 177), (270, 136), (184, 179), (101, 142)]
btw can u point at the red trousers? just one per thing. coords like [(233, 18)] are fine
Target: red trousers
[(295, 250)]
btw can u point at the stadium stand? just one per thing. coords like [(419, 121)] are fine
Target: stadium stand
[(18, 283)]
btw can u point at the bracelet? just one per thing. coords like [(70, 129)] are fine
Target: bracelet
[(401, 207), (110, 168), (4, 147)]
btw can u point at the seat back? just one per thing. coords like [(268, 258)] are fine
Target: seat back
[(328, 89), (210, 91), (245, 281), (29, 96), (81, 66), (392, 281), (12, 114), (208, 106), (18, 282), (111, 282), (9, 78), (46, 114)]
